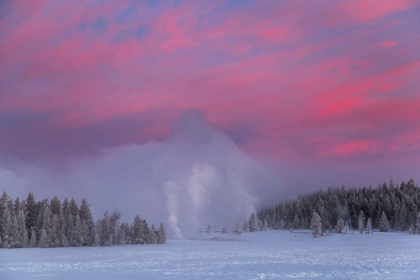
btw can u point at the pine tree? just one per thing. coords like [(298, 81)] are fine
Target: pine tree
[(22, 237), (316, 225), (161, 234), (238, 228), (137, 231), (253, 223), (245, 227), (87, 222), (265, 225), (30, 217), (98, 233), (106, 230), (295, 222), (412, 230), (418, 223), (32, 242), (209, 228), (340, 226), (383, 223), (360, 223), (369, 226), (77, 240), (224, 230), (44, 241), (152, 236)]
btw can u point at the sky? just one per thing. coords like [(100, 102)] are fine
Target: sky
[(315, 93)]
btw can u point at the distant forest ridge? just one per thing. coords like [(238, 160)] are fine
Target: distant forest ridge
[(50, 223), (400, 203)]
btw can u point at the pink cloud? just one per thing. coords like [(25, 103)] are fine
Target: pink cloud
[(293, 75)]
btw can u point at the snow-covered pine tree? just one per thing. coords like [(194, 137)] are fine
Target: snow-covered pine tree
[(137, 231), (22, 241), (145, 232), (224, 230), (245, 227), (53, 232), (360, 221), (369, 226), (115, 222), (412, 229), (152, 237), (77, 240), (163, 231), (30, 217), (87, 222), (44, 240), (161, 234), (260, 225), (106, 230), (253, 223), (209, 228), (340, 226), (32, 241), (418, 223), (126, 229), (265, 225), (383, 223), (238, 228), (281, 224), (98, 232), (316, 225), (295, 222)]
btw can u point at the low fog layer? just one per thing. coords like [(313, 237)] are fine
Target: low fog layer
[(195, 177)]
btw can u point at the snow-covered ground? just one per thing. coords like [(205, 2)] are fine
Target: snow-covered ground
[(263, 255)]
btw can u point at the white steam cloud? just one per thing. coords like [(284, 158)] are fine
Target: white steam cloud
[(195, 177)]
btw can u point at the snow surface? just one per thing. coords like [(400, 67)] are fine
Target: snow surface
[(263, 255)]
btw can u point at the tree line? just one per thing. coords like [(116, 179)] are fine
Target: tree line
[(388, 207), (50, 224)]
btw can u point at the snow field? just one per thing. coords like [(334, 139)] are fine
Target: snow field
[(261, 255)]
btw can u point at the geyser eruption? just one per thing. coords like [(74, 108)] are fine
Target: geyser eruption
[(195, 177)]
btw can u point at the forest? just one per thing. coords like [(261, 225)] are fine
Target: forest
[(388, 207), (50, 224)]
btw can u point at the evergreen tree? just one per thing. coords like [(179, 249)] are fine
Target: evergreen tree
[(418, 223), (87, 223), (265, 225), (340, 226), (224, 230), (369, 226), (106, 230), (246, 226), (137, 231), (316, 225), (152, 236), (295, 222), (22, 237), (238, 228), (77, 240), (253, 223), (161, 234), (30, 218), (360, 222), (44, 241), (383, 223), (412, 230), (32, 242), (98, 233), (209, 228)]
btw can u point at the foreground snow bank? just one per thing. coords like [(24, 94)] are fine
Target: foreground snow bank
[(262, 255)]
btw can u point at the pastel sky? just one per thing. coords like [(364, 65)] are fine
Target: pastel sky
[(319, 86)]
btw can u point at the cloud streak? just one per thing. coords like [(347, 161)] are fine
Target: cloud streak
[(289, 81)]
